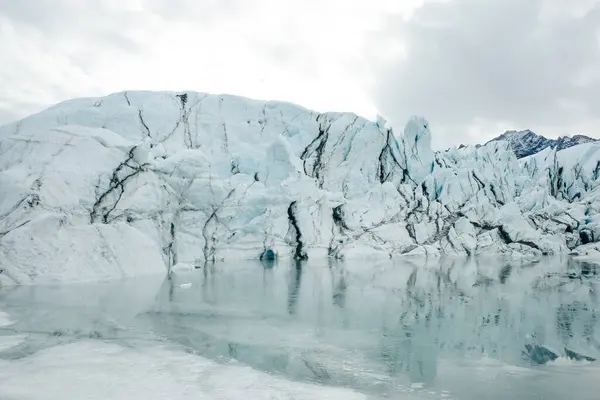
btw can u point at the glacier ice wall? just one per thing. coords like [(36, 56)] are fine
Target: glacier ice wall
[(137, 182)]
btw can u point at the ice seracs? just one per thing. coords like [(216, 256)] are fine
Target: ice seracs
[(140, 182), (416, 148)]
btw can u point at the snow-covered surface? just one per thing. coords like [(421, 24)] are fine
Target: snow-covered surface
[(526, 143), (7, 342), (137, 182), (94, 370), (4, 319)]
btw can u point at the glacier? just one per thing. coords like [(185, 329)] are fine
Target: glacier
[(138, 182)]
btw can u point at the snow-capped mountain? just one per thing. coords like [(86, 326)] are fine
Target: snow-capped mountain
[(138, 182), (525, 143)]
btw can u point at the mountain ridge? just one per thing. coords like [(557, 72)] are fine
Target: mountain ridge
[(526, 142)]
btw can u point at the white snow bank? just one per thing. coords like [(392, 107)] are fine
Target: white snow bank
[(8, 342), (95, 370), (4, 319)]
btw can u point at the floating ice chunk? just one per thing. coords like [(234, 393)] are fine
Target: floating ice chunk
[(539, 354), (182, 268), (573, 355)]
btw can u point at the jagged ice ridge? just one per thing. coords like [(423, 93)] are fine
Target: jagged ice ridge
[(138, 182)]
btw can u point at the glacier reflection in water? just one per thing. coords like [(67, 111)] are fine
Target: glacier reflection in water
[(449, 328)]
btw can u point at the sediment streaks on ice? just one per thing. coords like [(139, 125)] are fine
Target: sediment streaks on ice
[(217, 177)]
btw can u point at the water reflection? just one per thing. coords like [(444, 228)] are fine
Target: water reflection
[(399, 318), (373, 326), (339, 293), (294, 287)]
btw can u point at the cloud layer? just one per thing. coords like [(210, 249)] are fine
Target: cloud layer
[(475, 67), (309, 51)]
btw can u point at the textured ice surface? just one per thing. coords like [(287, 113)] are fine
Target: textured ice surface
[(6, 342), (137, 182), (94, 370), (4, 319)]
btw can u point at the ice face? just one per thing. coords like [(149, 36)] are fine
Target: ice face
[(416, 145), (137, 182)]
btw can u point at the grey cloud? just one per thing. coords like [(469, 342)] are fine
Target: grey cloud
[(73, 39), (94, 21), (12, 110), (7, 116), (197, 11), (499, 61), (54, 47), (44, 13)]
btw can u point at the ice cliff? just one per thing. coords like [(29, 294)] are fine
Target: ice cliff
[(137, 182)]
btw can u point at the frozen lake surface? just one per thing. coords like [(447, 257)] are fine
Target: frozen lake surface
[(449, 329)]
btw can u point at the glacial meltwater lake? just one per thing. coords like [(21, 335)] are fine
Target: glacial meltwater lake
[(402, 329)]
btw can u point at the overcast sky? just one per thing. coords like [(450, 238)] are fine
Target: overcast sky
[(473, 68)]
